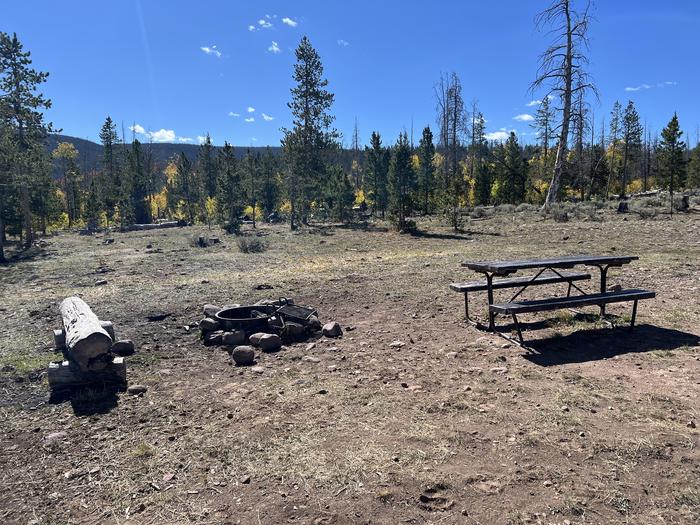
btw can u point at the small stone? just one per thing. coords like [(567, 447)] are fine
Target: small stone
[(310, 359), (547, 483), (243, 355), (237, 337), (691, 424), (270, 342), (257, 369), (451, 355), (332, 329), (313, 324), (55, 436), (135, 390), (615, 288), (208, 325), (255, 338), (294, 331), (210, 310), (245, 480), (263, 286), (564, 408), (499, 369), (310, 346), (397, 344), (123, 348), (101, 282), (213, 338), (205, 281)]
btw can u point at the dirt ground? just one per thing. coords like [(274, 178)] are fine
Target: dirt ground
[(412, 416)]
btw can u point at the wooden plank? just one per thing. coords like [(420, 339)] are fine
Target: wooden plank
[(558, 303), (87, 343), (480, 286), (506, 267)]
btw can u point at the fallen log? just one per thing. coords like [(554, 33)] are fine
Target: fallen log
[(59, 336), (86, 342), (65, 375), (156, 226)]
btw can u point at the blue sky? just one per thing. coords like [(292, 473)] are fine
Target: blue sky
[(176, 70)]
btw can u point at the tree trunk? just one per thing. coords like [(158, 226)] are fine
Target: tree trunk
[(553, 191), (87, 343), (2, 227)]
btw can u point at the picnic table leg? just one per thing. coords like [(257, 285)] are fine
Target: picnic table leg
[(489, 284), (603, 286), (634, 315)]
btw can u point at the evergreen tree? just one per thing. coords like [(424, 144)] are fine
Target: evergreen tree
[(206, 166), (543, 124), (340, 194), (426, 178), (186, 189), (250, 168), (66, 154), (230, 192), (615, 128), (511, 172), (7, 160), (632, 147), (694, 168), (401, 182), (109, 177), (672, 166), (21, 110), (92, 207), (378, 174), (482, 184), (45, 202), (269, 188), (311, 136), (139, 184)]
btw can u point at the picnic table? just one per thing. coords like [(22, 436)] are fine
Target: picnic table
[(550, 271)]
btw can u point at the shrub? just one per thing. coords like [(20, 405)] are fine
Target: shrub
[(251, 245), (526, 207)]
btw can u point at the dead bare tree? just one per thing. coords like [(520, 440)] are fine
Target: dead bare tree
[(562, 72)]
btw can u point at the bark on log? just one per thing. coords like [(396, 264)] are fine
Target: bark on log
[(64, 376), (87, 343), (59, 336)]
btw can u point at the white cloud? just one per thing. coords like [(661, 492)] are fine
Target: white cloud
[(524, 117), (533, 103), (253, 139), (250, 119), (267, 117), (343, 43), (201, 139), (638, 88), (274, 48), (265, 24), (668, 83), (290, 22), (211, 51), (251, 28), (162, 135), (500, 135), (251, 109), (232, 114)]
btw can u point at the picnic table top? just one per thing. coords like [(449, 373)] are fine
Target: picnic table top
[(569, 261)]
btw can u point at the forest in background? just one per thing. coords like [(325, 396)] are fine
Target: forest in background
[(46, 185)]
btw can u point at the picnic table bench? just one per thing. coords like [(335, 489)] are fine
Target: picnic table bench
[(549, 273)]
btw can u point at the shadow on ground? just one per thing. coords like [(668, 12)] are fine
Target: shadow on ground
[(88, 401), (597, 344)]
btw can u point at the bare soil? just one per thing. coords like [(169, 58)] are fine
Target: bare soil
[(412, 416)]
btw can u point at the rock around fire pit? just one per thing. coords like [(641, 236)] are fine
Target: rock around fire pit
[(265, 325)]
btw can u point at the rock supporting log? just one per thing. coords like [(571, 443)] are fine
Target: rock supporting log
[(86, 342), (65, 375)]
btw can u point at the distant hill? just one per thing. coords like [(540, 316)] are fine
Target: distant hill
[(91, 153)]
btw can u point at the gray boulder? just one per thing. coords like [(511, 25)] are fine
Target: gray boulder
[(332, 329), (208, 325), (210, 310), (123, 348), (243, 355), (270, 342), (237, 337)]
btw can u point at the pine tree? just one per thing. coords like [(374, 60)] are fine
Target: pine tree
[(378, 174), (543, 124), (426, 178), (186, 189), (672, 166), (482, 185), (311, 136), (250, 167), (340, 194), (269, 188), (632, 147), (21, 108), (109, 179), (66, 154), (206, 166), (694, 168), (92, 207), (511, 172), (230, 193), (401, 182), (139, 184)]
